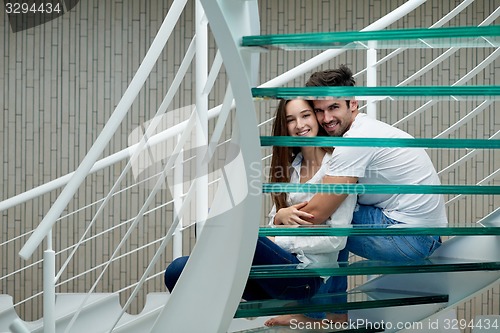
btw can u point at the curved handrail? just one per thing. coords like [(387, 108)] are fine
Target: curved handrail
[(212, 113), (108, 131)]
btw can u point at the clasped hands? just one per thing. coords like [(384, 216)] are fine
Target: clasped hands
[(293, 215)]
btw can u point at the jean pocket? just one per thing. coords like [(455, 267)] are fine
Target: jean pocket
[(416, 247)]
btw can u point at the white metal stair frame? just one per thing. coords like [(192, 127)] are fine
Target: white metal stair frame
[(327, 55), (224, 209), (99, 313), (231, 194), (230, 232), (461, 286)]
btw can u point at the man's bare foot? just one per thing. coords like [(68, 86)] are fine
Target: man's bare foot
[(286, 320)]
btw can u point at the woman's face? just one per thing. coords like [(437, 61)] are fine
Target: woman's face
[(300, 119)]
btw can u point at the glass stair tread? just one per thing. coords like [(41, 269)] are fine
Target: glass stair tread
[(356, 230), (355, 188), (367, 267), (330, 141), (351, 300), (457, 93), (417, 38)]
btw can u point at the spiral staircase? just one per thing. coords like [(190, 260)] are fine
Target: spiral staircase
[(207, 297)]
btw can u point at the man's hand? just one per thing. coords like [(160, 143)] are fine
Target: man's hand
[(293, 215)]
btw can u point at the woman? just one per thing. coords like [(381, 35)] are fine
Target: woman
[(296, 165), (305, 165)]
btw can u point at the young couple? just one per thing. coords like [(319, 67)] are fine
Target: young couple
[(338, 117)]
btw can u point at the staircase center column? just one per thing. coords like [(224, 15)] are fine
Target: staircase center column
[(371, 78), (202, 111), (49, 287)]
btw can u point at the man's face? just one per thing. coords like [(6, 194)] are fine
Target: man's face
[(334, 115)]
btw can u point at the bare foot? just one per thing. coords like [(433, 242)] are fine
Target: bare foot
[(286, 320), (337, 317)]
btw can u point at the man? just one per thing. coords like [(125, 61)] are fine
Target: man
[(371, 165)]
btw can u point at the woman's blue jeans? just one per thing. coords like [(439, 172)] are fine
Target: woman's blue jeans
[(266, 253), (386, 248)]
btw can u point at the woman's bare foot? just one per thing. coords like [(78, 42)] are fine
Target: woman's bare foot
[(286, 320), (337, 317)]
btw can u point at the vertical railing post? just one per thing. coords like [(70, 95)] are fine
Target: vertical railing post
[(49, 287), (178, 189), (371, 78), (202, 111)]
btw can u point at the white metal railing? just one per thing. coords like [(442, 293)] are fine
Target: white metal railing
[(109, 129), (90, 165), (281, 79)]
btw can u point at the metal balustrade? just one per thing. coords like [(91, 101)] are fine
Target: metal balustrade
[(230, 57)]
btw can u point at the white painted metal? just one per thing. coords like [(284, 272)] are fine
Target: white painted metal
[(178, 198), (454, 12), (460, 286), (323, 57), (216, 272), (201, 76), (18, 326), (240, 211), (464, 120), (492, 219), (108, 131), (49, 290), (140, 214), (157, 255), (467, 157), (179, 128), (492, 57), (371, 79), (139, 147)]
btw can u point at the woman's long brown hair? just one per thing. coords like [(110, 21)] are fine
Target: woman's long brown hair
[(282, 158)]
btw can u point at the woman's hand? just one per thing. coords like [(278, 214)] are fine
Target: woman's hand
[(293, 215)]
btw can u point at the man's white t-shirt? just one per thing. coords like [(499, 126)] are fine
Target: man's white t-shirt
[(380, 165)]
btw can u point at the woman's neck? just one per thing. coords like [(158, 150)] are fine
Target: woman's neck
[(311, 162), (312, 155)]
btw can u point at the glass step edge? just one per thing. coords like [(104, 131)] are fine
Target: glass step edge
[(458, 93), (328, 141), (351, 300), (368, 267), (469, 36), (328, 44), (367, 231), (379, 188)]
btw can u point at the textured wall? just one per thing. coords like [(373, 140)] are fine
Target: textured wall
[(60, 82)]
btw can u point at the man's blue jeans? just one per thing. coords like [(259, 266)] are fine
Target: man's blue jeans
[(386, 248), (266, 253)]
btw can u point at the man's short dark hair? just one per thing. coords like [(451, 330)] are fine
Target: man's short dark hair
[(341, 76)]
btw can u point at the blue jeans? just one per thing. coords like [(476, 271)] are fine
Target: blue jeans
[(266, 253), (334, 285), (386, 248)]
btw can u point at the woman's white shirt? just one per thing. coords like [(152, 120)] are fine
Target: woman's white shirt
[(312, 249)]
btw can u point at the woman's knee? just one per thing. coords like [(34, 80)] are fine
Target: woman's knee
[(173, 272)]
